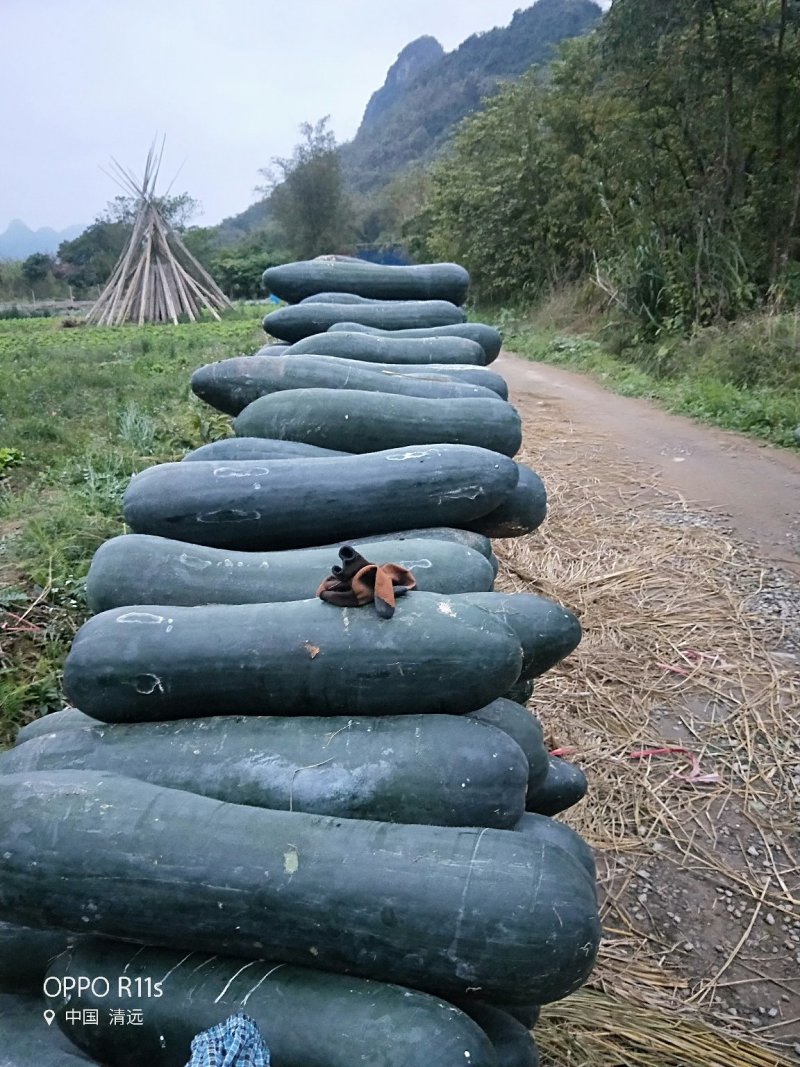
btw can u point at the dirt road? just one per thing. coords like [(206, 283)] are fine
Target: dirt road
[(679, 704), (754, 487)]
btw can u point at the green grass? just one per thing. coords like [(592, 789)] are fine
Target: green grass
[(745, 377), (81, 410)]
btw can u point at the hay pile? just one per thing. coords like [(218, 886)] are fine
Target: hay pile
[(671, 657)]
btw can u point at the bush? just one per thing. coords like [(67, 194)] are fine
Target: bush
[(10, 457)]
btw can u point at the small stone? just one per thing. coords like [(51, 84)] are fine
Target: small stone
[(769, 919), (689, 946), (772, 1012), (752, 851)]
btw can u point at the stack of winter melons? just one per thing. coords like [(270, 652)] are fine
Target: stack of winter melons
[(312, 814)]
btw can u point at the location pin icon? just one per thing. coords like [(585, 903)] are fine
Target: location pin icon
[(49, 1016)]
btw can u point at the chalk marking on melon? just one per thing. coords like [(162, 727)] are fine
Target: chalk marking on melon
[(231, 472), (153, 681), (227, 985), (467, 492), (231, 515), (194, 562), (453, 950), (206, 961), (291, 860), (180, 963), (258, 983), (410, 455), (138, 952), (141, 616)]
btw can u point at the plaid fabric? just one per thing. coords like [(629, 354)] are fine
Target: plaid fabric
[(235, 1043)]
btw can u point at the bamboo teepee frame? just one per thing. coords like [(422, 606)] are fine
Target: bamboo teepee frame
[(156, 279)]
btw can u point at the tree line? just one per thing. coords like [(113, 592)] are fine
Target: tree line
[(659, 157)]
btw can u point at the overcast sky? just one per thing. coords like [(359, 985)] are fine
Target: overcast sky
[(227, 81)]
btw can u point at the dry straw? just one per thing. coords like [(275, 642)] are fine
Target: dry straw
[(671, 657)]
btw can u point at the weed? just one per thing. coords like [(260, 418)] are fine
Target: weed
[(744, 376), (10, 457), (137, 429)]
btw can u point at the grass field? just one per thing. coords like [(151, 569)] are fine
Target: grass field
[(81, 410)]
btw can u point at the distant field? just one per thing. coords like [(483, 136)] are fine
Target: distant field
[(81, 410), (44, 308)]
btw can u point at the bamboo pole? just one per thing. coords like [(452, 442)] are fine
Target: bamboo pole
[(167, 293), (202, 272), (181, 290), (148, 251), (205, 299), (107, 300), (132, 288)]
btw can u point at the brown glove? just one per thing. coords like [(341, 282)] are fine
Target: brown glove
[(357, 582)]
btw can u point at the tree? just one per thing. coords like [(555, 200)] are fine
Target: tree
[(307, 194), (659, 156), (87, 261), (384, 215), (238, 270), (37, 267), (177, 211), (237, 265), (504, 201)]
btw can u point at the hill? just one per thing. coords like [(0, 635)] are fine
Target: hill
[(19, 241), (414, 60), (428, 91)]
